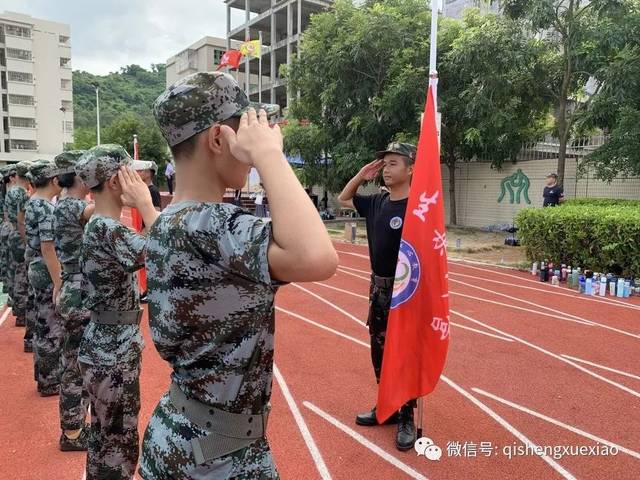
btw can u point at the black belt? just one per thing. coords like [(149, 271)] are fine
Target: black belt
[(71, 268), (131, 317), (382, 282)]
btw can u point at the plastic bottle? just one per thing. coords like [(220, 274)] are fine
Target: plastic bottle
[(603, 286), (555, 281), (581, 284), (544, 273), (627, 288), (569, 277), (620, 288), (563, 273), (596, 284), (612, 285), (534, 268), (588, 286)]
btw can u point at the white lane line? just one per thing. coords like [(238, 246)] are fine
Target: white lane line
[(323, 327), (551, 354), (357, 270), (619, 372), (353, 254), (84, 475), (344, 312), (5, 315), (341, 290), (510, 428), (558, 423), (460, 390), (368, 279), (481, 332), (537, 305), (550, 289), (302, 426), (365, 442)]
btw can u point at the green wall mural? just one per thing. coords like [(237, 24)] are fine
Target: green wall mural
[(516, 184)]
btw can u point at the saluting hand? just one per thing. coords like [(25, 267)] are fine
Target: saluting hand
[(255, 138), (135, 193), (370, 171)]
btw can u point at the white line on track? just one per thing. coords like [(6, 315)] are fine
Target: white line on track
[(365, 442), (323, 327), (366, 257), (84, 475), (340, 269), (551, 354), (557, 422), (302, 426), (341, 290), (5, 315), (357, 270), (344, 312), (481, 332), (501, 421), (609, 369)]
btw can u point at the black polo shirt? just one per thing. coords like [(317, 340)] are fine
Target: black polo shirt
[(552, 195), (385, 219)]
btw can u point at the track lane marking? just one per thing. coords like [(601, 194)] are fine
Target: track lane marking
[(609, 369), (302, 425), (323, 327), (557, 423), (344, 312), (5, 315)]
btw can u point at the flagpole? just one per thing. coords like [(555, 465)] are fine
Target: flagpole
[(260, 69)]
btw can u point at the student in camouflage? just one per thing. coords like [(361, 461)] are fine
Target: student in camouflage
[(111, 347), (44, 275), (70, 216), (5, 179), (15, 203), (213, 272)]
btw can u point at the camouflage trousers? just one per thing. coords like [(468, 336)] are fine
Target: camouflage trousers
[(167, 452), (4, 255), (114, 392), (18, 283), (379, 305), (74, 398), (48, 329)]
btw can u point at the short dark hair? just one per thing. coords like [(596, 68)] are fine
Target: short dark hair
[(187, 147), (98, 188), (41, 182), (66, 180)]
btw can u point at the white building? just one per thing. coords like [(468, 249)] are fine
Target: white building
[(36, 88)]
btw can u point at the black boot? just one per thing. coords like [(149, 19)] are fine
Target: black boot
[(406, 436), (368, 419)]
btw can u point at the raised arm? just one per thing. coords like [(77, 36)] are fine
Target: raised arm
[(367, 173)]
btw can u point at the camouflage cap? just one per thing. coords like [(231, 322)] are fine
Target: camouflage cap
[(196, 102), (22, 168), (405, 149), (66, 161), (145, 165), (8, 170), (42, 170), (100, 163)]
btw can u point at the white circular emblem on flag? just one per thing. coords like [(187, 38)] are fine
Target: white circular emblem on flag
[(407, 275), (395, 223)]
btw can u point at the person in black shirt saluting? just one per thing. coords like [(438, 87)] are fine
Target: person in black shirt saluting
[(384, 214), (553, 193)]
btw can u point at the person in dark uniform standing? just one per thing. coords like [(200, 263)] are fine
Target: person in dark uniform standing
[(384, 213), (553, 193), (147, 171)]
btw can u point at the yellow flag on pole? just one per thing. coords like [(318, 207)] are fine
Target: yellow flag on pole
[(251, 48)]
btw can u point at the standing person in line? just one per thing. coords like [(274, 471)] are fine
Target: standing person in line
[(170, 174), (553, 194), (70, 216), (111, 347), (214, 270), (15, 203), (147, 171), (6, 173), (44, 276), (384, 213), (261, 203)]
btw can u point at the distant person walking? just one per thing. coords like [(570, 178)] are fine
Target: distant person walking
[(553, 193), (170, 173), (261, 203)]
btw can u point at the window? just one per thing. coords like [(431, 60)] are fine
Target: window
[(20, 100), (67, 105), (7, 148), (17, 31), (5, 124), (22, 122), (3, 80), (23, 145), (65, 84), (20, 77), (67, 126), (18, 54), (5, 103), (217, 56), (63, 39), (65, 62)]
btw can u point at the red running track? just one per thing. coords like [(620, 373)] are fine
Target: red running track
[(529, 364)]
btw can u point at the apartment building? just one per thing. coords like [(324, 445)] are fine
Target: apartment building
[(36, 88), (280, 23)]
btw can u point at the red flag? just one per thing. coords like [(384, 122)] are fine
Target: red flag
[(231, 58), (417, 336)]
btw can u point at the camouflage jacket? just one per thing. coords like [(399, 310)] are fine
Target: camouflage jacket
[(110, 255), (211, 303), (15, 202), (38, 222), (68, 229)]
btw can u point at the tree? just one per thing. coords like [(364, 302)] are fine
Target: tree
[(306, 140), (570, 26), (363, 73)]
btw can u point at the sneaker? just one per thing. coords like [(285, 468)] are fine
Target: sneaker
[(74, 445)]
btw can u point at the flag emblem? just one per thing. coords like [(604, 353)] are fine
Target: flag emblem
[(395, 223), (407, 275)]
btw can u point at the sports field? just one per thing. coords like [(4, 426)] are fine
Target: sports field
[(529, 365)]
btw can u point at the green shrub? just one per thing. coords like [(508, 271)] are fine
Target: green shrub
[(602, 202), (600, 238)]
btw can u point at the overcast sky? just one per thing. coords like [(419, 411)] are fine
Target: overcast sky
[(109, 34)]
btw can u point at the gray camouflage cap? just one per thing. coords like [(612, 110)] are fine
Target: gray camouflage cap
[(100, 163), (8, 170), (406, 149), (42, 170), (196, 102), (22, 168), (65, 161)]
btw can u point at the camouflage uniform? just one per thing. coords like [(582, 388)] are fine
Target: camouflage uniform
[(4, 232), (110, 355), (48, 329), (211, 304), (68, 231)]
